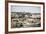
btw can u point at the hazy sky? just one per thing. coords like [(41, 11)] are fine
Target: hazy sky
[(31, 9)]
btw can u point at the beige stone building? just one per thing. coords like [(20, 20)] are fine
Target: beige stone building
[(25, 18)]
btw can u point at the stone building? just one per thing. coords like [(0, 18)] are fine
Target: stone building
[(25, 18)]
